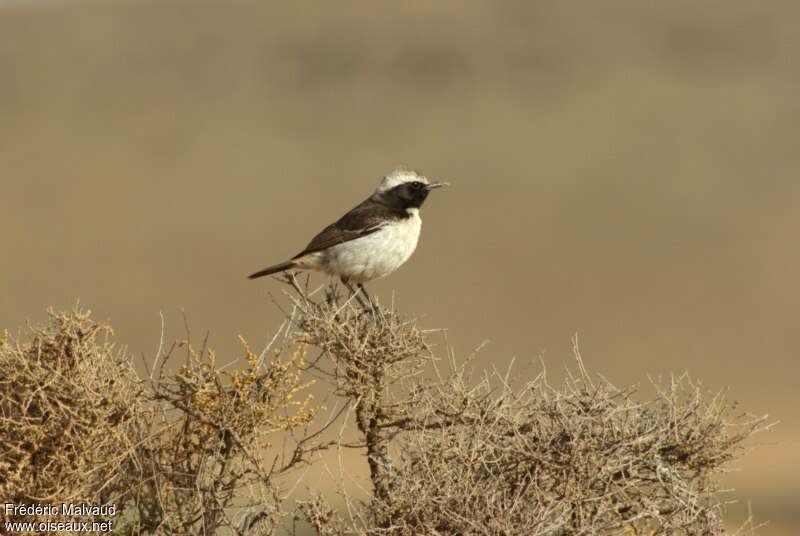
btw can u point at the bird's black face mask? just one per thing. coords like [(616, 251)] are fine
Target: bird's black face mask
[(413, 194), (407, 195)]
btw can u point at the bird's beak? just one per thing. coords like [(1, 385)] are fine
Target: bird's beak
[(437, 184)]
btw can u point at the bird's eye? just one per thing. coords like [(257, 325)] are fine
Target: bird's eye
[(417, 185)]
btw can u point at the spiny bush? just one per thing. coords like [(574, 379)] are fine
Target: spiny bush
[(188, 447), (181, 451), (451, 454), (207, 454), (71, 408)]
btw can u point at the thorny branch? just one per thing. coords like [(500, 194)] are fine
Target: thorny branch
[(187, 449), (483, 457)]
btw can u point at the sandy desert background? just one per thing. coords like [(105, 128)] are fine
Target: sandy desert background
[(624, 170)]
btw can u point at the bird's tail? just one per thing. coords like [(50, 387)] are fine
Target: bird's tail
[(274, 269)]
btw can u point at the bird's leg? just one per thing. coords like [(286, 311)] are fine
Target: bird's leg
[(353, 292), (363, 289)]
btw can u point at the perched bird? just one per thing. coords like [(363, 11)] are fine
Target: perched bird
[(372, 240)]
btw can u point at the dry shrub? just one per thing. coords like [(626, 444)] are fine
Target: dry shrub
[(181, 451), (207, 467), (70, 408), (449, 454), (186, 449), (586, 458)]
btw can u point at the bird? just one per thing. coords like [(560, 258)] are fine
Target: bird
[(373, 239)]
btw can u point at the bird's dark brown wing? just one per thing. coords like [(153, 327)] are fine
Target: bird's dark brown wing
[(363, 220)]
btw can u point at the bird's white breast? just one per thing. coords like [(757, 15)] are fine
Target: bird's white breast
[(378, 254)]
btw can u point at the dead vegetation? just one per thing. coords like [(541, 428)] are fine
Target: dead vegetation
[(453, 454), (184, 450), (70, 406), (187, 449), (206, 462)]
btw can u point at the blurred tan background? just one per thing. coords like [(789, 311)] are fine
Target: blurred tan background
[(627, 171)]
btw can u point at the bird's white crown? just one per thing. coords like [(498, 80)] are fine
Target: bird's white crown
[(397, 177)]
